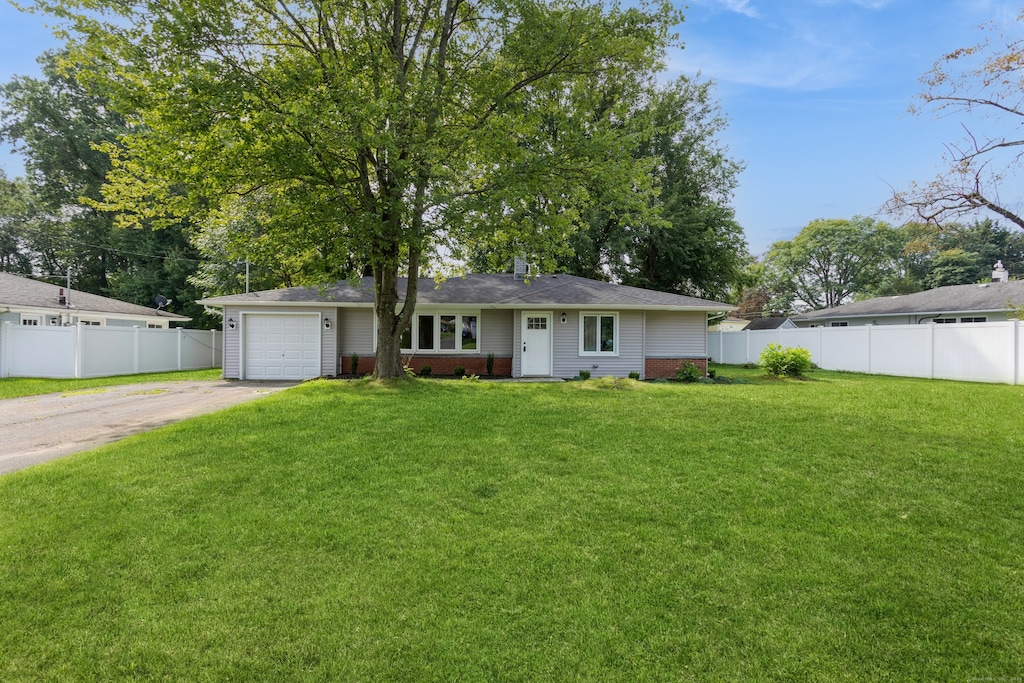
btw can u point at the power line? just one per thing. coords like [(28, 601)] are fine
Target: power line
[(136, 253)]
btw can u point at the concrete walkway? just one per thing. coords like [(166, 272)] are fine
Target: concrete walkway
[(36, 429)]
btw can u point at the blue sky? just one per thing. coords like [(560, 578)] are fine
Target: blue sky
[(816, 92)]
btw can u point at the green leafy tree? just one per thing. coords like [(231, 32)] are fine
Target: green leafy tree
[(952, 267), (827, 264), (384, 131), (760, 296), (686, 241), (990, 242), (57, 126), (14, 212), (54, 123), (905, 257)]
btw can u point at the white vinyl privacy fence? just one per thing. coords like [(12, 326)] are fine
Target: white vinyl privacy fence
[(84, 351), (973, 352)]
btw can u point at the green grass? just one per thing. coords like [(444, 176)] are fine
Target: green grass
[(14, 387), (846, 528)]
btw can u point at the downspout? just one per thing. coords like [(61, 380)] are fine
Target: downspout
[(643, 347)]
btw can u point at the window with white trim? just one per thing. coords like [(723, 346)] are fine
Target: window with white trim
[(599, 334), (975, 319), (841, 323), (442, 332), (32, 320), (945, 321), (89, 321)]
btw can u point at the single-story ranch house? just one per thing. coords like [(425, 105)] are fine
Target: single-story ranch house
[(24, 301), (542, 326), (986, 302)]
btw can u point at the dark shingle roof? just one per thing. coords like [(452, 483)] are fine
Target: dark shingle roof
[(25, 292), (990, 296), (765, 323), (483, 289)]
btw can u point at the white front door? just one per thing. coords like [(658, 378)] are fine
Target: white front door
[(282, 346), (536, 343)]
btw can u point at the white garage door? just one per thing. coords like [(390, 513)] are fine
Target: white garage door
[(282, 346)]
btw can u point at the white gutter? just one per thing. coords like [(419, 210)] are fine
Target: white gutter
[(487, 306)]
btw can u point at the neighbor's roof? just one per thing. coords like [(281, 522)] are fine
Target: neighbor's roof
[(496, 291), (23, 292), (765, 323), (986, 297)]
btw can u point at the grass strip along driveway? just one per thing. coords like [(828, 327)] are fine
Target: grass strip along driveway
[(844, 528), (16, 387)]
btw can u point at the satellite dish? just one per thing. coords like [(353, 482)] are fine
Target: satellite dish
[(160, 300)]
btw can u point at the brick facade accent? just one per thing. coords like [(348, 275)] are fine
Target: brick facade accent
[(656, 368), (439, 365)]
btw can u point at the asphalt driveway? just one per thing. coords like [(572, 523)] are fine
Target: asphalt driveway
[(36, 429)]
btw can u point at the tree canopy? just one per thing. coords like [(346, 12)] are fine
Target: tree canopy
[(834, 261), (686, 240), (828, 262), (382, 132), (54, 225)]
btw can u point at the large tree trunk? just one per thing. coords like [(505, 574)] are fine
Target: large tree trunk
[(389, 354), (391, 321)]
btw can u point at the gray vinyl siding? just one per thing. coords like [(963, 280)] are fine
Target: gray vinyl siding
[(232, 352), (568, 362), (356, 332), (497, 333), (329, 342), (517, 343), (676, 334), (565, 339)]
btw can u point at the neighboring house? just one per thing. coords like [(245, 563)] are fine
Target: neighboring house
[(24, 301), (729, 324), (544, 326), (987, 302), (770, 324)]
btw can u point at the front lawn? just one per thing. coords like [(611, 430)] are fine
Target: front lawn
[(845, 528), (14, 387)]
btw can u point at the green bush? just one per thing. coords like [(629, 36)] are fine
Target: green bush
[(776, 361), (634, 375), (584, 374), (353, 363), (490, 364), (459, 371), (424, 371), (688, 372)]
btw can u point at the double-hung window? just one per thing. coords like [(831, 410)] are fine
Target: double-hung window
[(599, 334), (442, 332)]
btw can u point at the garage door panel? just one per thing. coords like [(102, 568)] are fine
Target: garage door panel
[(284, 347)]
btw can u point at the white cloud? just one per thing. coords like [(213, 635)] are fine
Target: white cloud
[(867, 4), (740, 7)]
